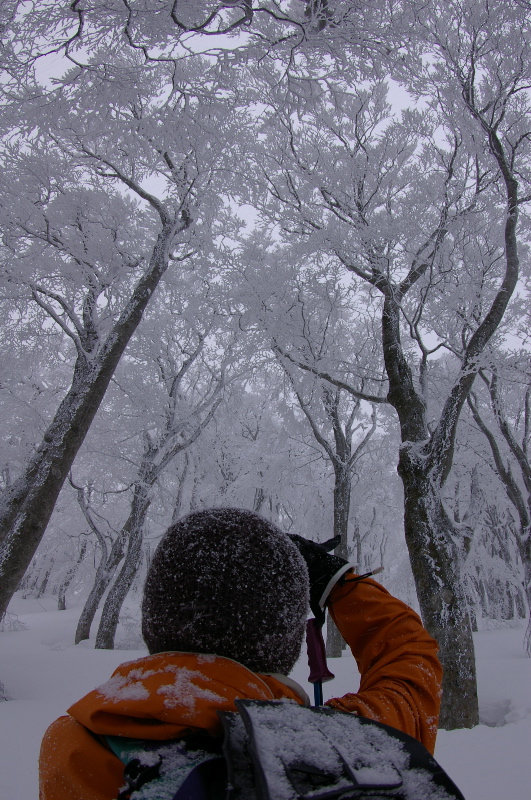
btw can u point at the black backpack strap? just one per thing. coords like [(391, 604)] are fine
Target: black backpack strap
[(206, 781), (240, 772)]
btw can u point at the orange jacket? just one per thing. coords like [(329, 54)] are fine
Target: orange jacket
[(167, 695)]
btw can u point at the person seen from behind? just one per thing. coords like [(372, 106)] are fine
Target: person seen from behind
[(224, 612)]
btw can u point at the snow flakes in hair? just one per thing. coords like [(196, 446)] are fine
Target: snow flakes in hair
[(229, 582)]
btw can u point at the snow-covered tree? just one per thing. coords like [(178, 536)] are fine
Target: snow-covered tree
[(505, 422), (146, 123), (105, 177), (423, 211)]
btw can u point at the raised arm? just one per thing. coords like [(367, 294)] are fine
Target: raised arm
[(397, 659)]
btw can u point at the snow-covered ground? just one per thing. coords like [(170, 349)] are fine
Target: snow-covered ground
[(43, 673)]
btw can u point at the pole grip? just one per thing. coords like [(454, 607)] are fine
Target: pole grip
[(317, 653)]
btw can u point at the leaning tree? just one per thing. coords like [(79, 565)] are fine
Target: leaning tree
[(112, 175), (422, 211)]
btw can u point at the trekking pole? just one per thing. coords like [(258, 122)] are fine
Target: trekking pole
[(319, 672)]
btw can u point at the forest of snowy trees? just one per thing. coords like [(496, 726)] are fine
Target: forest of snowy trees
[(269, 254)]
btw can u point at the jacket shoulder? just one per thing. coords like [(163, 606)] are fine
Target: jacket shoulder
[(75, 765)]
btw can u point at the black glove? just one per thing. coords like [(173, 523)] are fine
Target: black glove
[(324, 569)]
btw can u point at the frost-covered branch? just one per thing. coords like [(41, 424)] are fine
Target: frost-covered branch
[(325, 376)]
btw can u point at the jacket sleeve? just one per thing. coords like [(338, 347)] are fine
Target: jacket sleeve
[(73, 765), (397, 659)]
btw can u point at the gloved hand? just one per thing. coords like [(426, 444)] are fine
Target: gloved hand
[(324, 569)]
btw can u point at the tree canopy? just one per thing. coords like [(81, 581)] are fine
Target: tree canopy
[(265, 253)]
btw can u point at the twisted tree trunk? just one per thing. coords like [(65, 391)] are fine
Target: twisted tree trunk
[(67, 580), (157, 455), (133, 532), (104, 575)]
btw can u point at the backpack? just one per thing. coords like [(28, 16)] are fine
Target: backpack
[(278, 750)]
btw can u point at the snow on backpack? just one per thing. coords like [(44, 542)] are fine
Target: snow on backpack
[(278, 750)]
